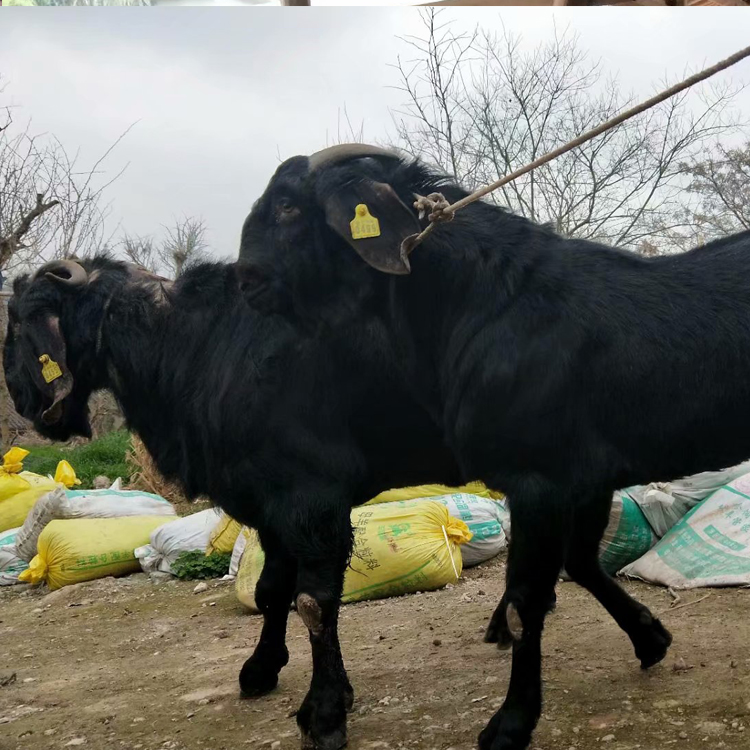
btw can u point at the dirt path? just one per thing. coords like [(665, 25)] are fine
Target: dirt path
[(129, 664)]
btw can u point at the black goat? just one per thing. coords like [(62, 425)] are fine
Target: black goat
[(558, 369), (282, 427)]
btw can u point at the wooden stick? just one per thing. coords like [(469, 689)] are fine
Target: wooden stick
[(689, 604)]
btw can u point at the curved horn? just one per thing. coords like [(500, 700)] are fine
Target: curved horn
[(346, 151), (65, 272)]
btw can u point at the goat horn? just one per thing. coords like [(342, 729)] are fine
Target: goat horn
[(65, 272), (346, 151)]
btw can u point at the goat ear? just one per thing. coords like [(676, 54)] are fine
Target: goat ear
[(374, 221), (46, 360)]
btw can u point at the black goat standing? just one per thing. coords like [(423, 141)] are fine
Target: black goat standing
[(284, 428), (558, 369)]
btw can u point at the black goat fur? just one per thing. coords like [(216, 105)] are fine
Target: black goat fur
[(301, 382), (559, 370)]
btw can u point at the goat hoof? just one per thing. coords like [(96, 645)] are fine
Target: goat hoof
[(652, 646), (507, 730), (257, 679), (333, 741)]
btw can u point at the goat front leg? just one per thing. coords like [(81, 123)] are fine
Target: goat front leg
[(273, 596), (534, 562), (322, 715)]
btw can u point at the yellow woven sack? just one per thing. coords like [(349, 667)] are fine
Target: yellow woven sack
[(82, 549), (10, 482), (433, 490), (224, 535), (19, 490), (398, 549), (64, 474)]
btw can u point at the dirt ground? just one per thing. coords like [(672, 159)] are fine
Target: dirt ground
[(131, 664)]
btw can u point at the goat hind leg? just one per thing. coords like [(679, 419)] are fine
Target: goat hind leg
[(649, 637), (273, 596)]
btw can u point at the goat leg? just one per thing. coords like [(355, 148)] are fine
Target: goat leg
[(649, 637), (322, 715), (273, 595), (534, 561)]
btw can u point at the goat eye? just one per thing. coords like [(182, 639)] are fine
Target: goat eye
[(286, 206)]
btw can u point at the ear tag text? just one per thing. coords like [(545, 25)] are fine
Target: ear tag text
[(50, 369), (364, 225)]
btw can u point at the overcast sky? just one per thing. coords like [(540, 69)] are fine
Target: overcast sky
[(219, 94)]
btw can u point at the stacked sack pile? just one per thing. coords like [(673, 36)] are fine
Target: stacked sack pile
[(50, 533)]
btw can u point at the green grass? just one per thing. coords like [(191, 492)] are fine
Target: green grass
[(106, 455)]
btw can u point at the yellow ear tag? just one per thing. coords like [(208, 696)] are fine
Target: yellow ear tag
[(50, 369), (364, 225)]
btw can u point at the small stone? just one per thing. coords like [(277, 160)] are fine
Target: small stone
[(276, 745), (491, 680), (437, 642), (29, 679), (76, 741), (49, 732), (200, 588), (683, 735), (680, 666), (733, 664), (138, 719), (608, 738)]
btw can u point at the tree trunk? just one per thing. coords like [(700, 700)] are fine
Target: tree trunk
[(6, 405)]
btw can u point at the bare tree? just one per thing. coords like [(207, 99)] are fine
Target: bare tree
[(142, 251), (346, 131), (184, 245), (720, 181), (478, 105), (50, 206)]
